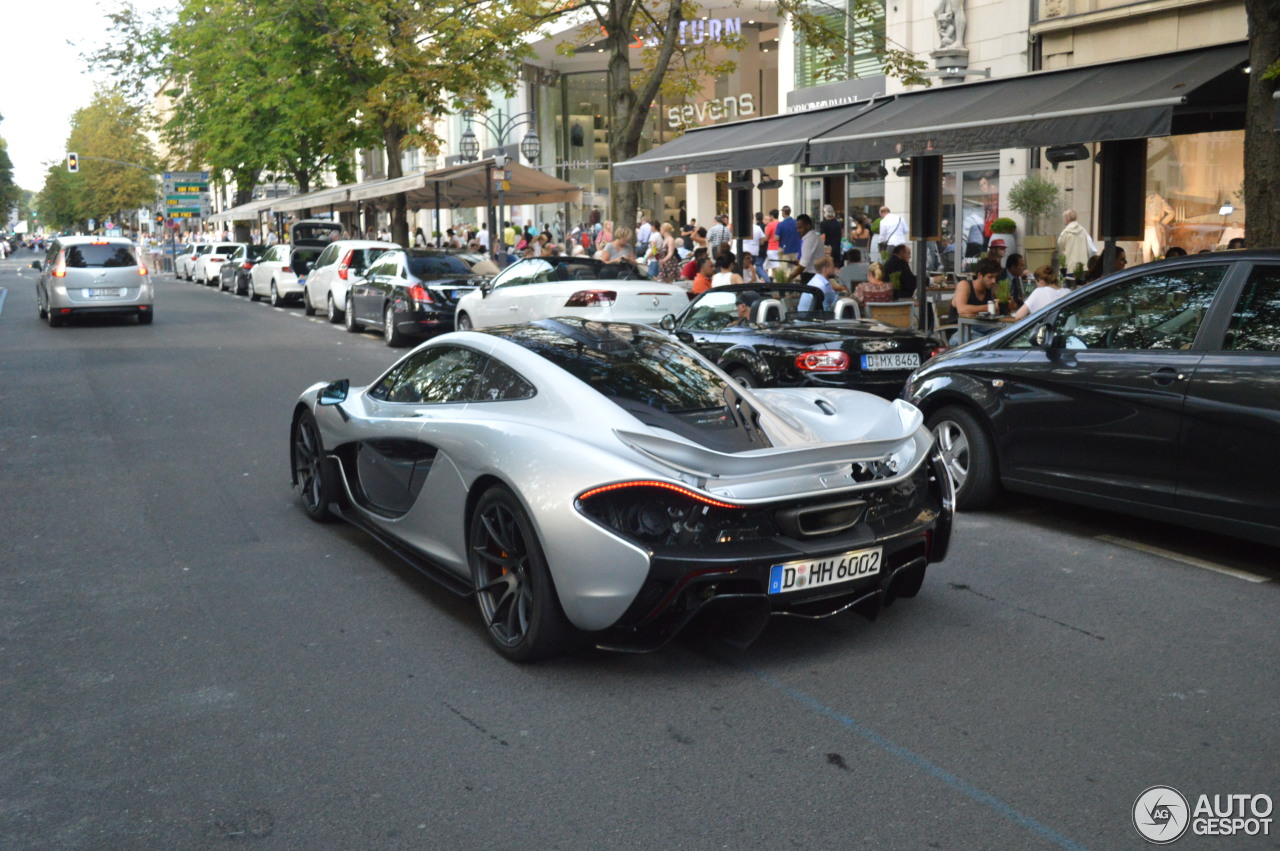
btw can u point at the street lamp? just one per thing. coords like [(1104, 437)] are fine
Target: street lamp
[(499, 127)]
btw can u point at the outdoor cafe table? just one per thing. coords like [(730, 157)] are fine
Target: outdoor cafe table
[(967, 323)]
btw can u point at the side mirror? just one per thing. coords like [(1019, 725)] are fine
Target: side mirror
[(335, 393), (37, 265), (485, 288), (1042, 337), (668, 322)]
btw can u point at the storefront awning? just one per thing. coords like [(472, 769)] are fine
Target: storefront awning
[(756, 143), (243, 213), (465, 186), (1173, 93), (322, 199)]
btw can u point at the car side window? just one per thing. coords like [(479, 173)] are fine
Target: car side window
[(1159, 310), (1255, 322), (524, 272), (500, 383), (326, 257), (435, 376)]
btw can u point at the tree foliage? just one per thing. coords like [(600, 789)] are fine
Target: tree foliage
[(109, 128)]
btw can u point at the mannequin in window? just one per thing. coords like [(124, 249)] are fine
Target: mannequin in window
[(1156, 235)]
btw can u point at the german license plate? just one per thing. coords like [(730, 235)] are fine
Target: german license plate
[(805, 575), (893, 360), (103, 291)]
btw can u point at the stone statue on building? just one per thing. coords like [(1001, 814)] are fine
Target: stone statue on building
[(949, 15)]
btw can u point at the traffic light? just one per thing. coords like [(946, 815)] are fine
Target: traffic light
[(159, 218), (73, 162)]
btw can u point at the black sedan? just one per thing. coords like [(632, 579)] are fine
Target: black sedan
[(1154, 392), (410, 294), (233, 275), (757, 334)]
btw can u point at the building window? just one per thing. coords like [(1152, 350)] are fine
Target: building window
[(862, 28)]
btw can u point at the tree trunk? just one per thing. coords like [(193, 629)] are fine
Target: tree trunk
[(394, 138), (1261, 139)]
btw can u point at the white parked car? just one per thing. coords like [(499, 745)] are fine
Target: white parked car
[(341, 264), (281, 273), (208, 264), (541, 287), (185, 263)]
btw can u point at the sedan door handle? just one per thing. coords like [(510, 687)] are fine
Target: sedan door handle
[(1166, 375)]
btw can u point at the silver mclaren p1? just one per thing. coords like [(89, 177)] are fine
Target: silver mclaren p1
[(601, 481)]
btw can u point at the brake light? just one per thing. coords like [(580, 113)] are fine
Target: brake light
[(142, 270), (346, 264), (246, 265), (417, 292), (215, 259), (937, 350), (592, 298), (656, 484), (829, 360), (60, 270), (100, 242), (286, 269)]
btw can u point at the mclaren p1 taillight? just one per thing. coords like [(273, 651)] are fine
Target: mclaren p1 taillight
[(592, 298), (828, 360), (656, 513)]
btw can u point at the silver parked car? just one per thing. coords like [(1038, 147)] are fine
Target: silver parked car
[(93, 274), (584, 478)]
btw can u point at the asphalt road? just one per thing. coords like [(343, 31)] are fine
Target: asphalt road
[(187, 662)]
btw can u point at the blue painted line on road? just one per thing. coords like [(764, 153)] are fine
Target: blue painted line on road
[(3, 292), (906, 755)]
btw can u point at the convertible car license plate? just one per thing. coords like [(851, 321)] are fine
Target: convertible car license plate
[(103, 291), (803, 575), (894, 360)]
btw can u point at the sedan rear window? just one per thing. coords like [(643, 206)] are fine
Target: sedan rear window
[(100, 255), (437, 266)]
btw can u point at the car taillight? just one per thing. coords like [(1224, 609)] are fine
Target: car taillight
[(60, 269), (345, 264), (215, 259), (937, 350), (286, 269), (829, 360), (419, 293), (655, 513), (142, 270), (592, 298), (246, 265)]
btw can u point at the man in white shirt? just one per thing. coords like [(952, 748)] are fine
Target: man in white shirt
[(642, 236), (483, 236), (893, 230), (812, 248)]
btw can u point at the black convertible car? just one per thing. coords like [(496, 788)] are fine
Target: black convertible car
[(759, 336), (1154, 392)]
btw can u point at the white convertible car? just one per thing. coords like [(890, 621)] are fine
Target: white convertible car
[(542, 287)]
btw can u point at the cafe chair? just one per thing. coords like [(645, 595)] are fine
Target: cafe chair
[(898, 313)]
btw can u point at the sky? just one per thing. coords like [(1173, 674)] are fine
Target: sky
[(46, 80)]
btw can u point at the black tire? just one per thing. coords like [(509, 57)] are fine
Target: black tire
[(743, 376), (306, 303), (146, 317), (316, 490), (513, 587), (44, 311), (209, 282), (55, 321), (331, 311), (222, 283), (463, 322), (275, 299), (968, 456), (253, 294), (349, 318), (390, 332)]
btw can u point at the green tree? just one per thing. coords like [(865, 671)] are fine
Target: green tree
[(10, 194), (673, 69)]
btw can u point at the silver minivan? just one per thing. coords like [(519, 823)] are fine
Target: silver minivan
[(93, 274)]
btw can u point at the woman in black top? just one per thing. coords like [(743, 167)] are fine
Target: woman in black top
[(832, 233), (897, 271)]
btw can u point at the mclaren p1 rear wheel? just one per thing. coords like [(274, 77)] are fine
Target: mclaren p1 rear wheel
[(512, 584), (315, 488)]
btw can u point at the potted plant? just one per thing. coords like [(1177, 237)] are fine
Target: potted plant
[(1035, 198), (1004, 228)]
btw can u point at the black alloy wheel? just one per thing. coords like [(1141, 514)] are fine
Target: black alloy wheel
[(967, 454), (306, 451), (513, 587), (390, 332), (743, 377), (349, 315)]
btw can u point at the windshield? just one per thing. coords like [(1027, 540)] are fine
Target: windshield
[(100, 255), (656, 379)]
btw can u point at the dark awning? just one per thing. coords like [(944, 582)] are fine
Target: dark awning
[(757, 143), (1186, 92)]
